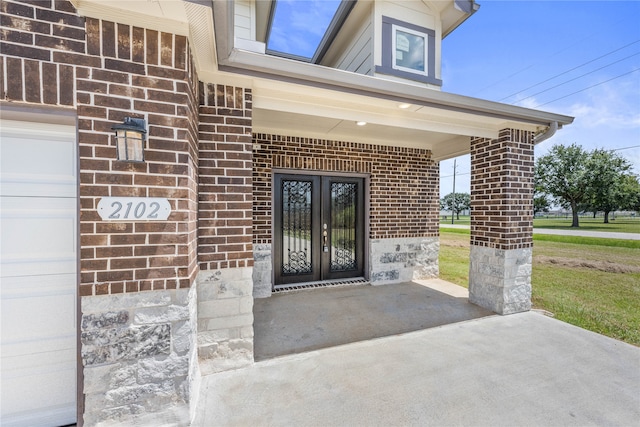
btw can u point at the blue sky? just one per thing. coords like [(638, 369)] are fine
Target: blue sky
[(537, 54), (299, 30), (509, 46)]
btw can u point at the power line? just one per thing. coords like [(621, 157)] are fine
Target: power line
[(502, 80), (458, 174), (624, 148), (572, 69), (587, 88), (579, 77)]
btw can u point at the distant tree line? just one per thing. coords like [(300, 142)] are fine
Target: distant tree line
[(585, 181)]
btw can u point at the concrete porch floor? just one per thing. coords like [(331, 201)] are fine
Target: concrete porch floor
[(519, 370), (308, 320)]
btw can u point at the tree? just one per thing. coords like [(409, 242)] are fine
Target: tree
[(541, 201), (563, 174), (462, 202), (607, 181), (630, 193)]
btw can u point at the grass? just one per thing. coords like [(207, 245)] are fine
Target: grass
[(592, 241), (619, 225), (588, 283), (464, 220)]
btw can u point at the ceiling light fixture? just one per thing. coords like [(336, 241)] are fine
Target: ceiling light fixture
[(361, 123), (404, 106)]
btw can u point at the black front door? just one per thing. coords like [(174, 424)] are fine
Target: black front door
[(319, 228)]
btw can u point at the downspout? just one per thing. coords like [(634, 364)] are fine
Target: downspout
[(551, 130)]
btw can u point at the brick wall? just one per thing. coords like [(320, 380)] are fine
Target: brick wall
[(225, 216), (502, 173), (51, 56), (404, 182)]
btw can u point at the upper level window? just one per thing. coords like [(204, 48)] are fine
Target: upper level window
[(408, 51)]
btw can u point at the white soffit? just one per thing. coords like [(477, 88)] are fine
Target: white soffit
[(296, 110), (287, 98), (300, 125)]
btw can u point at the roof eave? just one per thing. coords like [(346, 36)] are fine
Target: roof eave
[(470, 7), (282, 69)]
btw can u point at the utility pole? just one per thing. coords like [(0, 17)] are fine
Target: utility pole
[(453, 208)]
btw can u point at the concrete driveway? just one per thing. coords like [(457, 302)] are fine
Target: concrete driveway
[(519, 370)]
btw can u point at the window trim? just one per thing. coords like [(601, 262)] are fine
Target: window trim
[(389, 28), (394, 50)]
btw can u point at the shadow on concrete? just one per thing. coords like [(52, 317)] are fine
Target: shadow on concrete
[(312, 319)]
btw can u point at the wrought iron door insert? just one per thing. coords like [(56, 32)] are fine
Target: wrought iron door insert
[(319, 228)]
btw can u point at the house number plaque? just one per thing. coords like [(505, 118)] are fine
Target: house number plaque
[(134, 209)]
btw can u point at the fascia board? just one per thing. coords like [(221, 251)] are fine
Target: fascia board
[(282, 69), (473, 8)]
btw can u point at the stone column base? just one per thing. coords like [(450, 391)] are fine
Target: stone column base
[(225, 319), (500, 280), (262, 270), (403, 259)]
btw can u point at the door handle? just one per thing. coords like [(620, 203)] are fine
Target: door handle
[(325, 247)]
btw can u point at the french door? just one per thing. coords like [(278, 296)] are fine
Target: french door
[(319, 228)]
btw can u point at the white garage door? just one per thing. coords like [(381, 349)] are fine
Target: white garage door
[(38, 272)]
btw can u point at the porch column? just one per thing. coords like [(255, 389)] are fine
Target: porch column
[(502, 221)]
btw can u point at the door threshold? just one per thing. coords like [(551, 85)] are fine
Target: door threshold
[(358, 281)]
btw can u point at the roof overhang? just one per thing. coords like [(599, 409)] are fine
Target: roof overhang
[(296, 98), (455, 13), (301, 99)]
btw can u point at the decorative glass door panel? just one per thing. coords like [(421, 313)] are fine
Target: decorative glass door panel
[(296, 227), (319, 228)]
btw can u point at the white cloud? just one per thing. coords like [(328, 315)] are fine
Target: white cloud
[(615, 105)]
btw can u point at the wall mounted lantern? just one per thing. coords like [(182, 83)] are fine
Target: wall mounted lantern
[(130, 136)]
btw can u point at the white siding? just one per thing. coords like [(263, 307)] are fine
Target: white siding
[(245, 20), (358, 57)]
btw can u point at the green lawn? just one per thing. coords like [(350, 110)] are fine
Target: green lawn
[(594, 286), (619, 225), (464, 220)]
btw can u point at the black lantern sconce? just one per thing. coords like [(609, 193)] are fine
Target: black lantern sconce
[(130, 136)]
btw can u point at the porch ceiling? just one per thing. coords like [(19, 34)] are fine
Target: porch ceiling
[(285, 108)]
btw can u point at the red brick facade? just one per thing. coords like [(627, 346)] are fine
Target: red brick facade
[(225, 178), (502, 190), (403, 186), (108, 71)]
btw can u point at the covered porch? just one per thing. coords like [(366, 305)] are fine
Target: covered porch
[(306, 320)]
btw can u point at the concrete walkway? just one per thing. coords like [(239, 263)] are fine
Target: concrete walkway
[(587, 233), (519, 370), (582, 233)]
